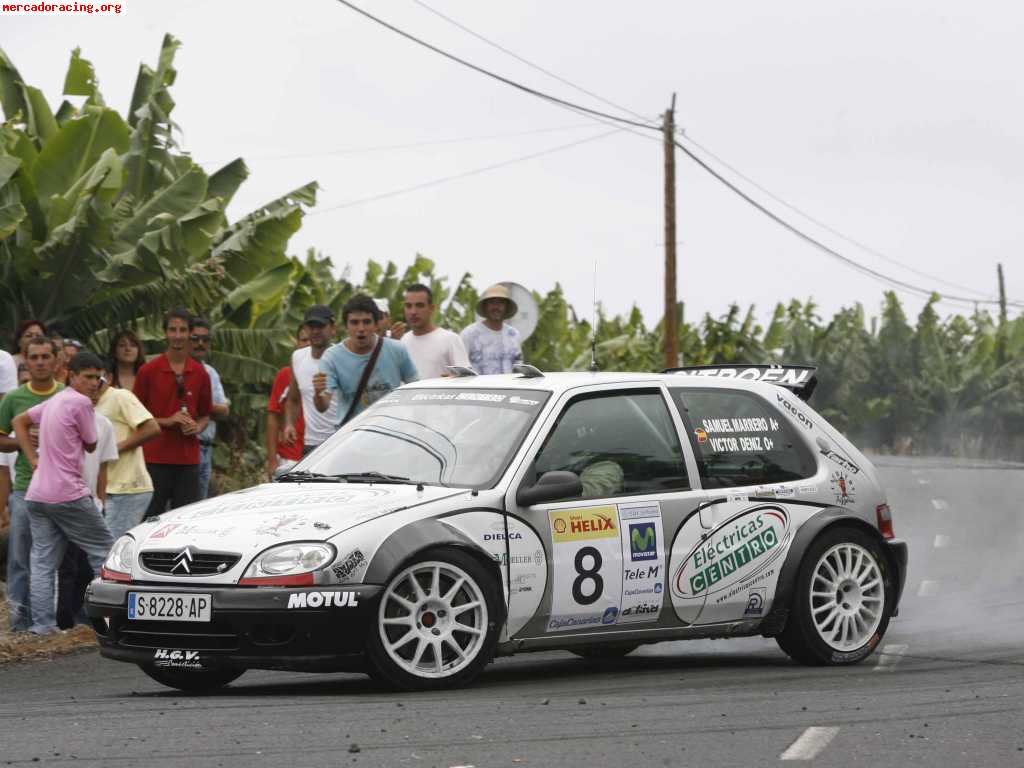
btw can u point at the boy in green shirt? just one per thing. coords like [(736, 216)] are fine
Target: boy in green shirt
[(42, 361)]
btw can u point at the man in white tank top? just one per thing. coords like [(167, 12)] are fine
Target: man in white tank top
[(319, 322)]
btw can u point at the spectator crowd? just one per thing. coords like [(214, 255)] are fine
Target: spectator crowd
[(91, 445)]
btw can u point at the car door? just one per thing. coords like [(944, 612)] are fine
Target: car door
[(607, 546), (759, 479)]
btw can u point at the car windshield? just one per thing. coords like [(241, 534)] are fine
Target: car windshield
[(455, 437)]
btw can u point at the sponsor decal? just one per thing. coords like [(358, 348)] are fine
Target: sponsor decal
[(755, 603), (348, 564), (732, 553), (737, 497), (517, 400), (832, 455), (502, 536), (640, 591), (164, 531), (702, 435), (175, 659), (584, 524), (609, 615), (556, 623), (785, 492), (321, 526), (657, 588), (643, 541), (808, 489), (643, 572), (842, 488), (322, 600), (538, 557), (281, 524), (785, 376), (505, 559), (795, 412), (648, 611)]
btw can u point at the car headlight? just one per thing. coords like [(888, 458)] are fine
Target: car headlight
[(118, 565), (288, 564)]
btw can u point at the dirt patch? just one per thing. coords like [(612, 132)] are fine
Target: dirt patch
[(24, 646)]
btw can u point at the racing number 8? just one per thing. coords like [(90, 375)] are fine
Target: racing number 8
[(587, 574)]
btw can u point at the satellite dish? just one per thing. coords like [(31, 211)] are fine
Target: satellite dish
[(525, 320)]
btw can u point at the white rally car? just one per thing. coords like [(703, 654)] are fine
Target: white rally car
[(462, 518)]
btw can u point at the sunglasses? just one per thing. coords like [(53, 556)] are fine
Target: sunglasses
[(180, 380), (196, 338)]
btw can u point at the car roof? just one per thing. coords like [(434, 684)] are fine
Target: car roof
[(562, 381)]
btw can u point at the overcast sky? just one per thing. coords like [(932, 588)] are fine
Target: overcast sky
[(894, 122)]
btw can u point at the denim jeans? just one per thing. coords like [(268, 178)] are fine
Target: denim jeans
[(53, 526), (126, 510), (205, 469), (19, 550)]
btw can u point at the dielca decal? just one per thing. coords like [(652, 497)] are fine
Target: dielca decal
[(737, 551)]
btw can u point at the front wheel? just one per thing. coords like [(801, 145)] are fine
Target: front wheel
[(437, 623), (193, 681), (843, 600)]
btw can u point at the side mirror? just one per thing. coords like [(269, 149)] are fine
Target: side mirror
[(551, 486)]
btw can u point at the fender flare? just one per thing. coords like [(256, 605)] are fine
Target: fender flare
[(404, 544), (829, 517)]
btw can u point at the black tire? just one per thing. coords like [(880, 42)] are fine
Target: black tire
[(605, 652), (803, 639), (455, 672), (192, 680)]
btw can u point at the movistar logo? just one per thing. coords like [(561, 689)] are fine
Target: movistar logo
[(643, 541)]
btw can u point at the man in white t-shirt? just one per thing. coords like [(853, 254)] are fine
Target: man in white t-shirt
[(432, 349), (320, 324), (492, 344), (8, 373)]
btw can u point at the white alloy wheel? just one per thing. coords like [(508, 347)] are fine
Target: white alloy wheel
[(433, 620), (847, 596)]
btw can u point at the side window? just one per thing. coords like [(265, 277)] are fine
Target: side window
[(740, 439), (619, 445)]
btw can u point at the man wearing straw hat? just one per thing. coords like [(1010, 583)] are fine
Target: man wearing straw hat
[(492, 344)]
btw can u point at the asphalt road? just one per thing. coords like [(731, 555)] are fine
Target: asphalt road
[(947, 688)]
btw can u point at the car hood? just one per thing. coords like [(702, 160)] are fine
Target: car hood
[(267, 514)]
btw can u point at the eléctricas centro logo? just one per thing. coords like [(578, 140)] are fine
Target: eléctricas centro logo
[(738, 549)]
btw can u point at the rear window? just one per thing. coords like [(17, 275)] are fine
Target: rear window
[(740, 439)]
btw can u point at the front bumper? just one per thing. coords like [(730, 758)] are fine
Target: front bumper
[(250, 627)]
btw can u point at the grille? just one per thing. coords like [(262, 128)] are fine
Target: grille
[(160, 634), (176, 562)]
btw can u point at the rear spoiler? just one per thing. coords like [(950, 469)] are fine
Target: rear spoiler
[(800, 379)]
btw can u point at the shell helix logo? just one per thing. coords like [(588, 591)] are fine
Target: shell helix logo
[(584, 524)]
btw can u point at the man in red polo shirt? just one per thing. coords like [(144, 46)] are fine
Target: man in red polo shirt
[(176, 390)]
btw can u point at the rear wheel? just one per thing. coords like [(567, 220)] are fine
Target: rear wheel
[(843, 600), (605, 651), (437, 623), (192, 680)]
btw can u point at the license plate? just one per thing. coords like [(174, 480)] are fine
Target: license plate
[(169, 606)]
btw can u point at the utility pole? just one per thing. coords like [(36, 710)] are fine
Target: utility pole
[(671, 317), (1002, 330)]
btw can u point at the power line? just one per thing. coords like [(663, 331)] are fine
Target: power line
[(463, 175), (495, 76), (705, 150), (823, 225), (413, 145), (824, 248), (580, 109), (529, 63)]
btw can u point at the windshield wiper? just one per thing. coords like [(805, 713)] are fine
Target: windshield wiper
[(302, 476), (376, 477)]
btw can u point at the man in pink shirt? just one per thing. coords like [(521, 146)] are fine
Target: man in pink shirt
[(59, 501)]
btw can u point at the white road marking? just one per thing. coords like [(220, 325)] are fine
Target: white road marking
[(928, 588), (922, 481), (941, 541), (940, 504), (810, 743), (890, 656)]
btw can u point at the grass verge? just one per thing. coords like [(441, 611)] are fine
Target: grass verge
[(23, 646)]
